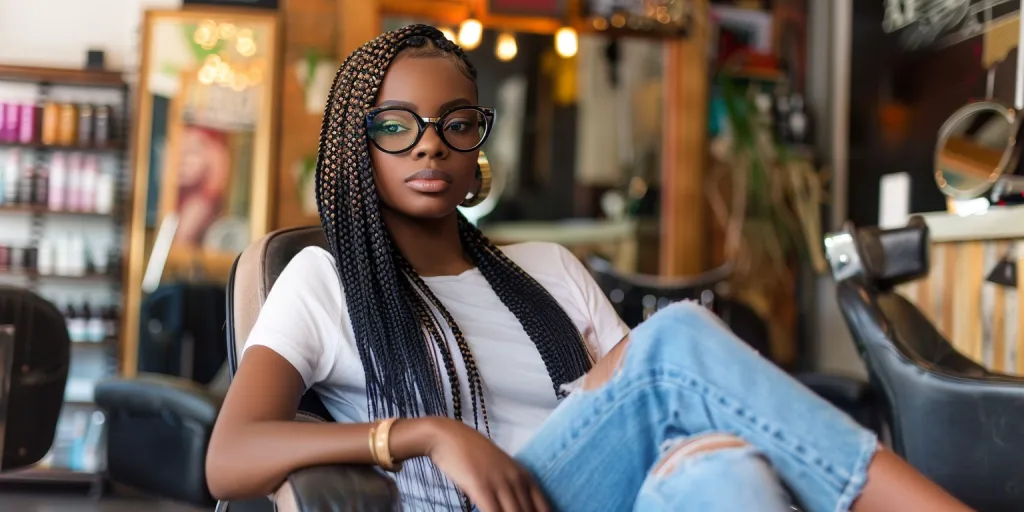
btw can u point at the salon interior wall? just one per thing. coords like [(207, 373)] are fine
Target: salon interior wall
[(57, 33)]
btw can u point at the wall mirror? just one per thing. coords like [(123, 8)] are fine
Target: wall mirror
[(203, 143), (976, 145)]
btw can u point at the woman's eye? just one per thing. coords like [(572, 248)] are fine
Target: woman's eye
[(389, 128), (457, 125)]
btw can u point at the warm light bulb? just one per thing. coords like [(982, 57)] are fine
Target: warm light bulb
[(470, 33), (449, 34), (506, 48), (566, 42)]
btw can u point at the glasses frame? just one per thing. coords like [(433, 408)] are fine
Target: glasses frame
[(424, 122)]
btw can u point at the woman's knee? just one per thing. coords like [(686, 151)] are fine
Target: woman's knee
[(712, 472), (676, 452)]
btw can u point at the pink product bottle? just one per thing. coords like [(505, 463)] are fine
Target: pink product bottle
[(3, 123), (12, 114), (87, 191), (27, 126), (57, 193), (73, 190)]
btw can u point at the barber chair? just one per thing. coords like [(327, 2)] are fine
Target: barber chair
[(35, 352), (635, 297), (952, 419), (160, 425)]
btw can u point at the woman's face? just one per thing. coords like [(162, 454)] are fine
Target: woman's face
[(429, 87)]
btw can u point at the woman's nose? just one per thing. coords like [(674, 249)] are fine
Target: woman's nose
[(431, 145)]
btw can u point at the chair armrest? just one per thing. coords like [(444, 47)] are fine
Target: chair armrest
[(158, 429), (159, 394), (338, 488)]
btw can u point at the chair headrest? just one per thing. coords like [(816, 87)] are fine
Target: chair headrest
[(258, 268), (883, 258)]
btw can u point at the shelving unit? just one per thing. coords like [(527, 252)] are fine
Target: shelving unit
[(76, 459)]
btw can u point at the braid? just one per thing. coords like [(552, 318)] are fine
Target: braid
[(392, 310)]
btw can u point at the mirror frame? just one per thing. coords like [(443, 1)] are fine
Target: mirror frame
[(264, 157), (1007, 159)]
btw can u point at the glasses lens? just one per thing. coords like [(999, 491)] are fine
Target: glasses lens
[(464, 128), (394, 130)]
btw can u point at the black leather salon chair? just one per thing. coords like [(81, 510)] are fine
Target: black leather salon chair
[(35, 351), (635, 297), (955, 421)]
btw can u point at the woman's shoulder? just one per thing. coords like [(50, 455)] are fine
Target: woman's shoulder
[(311, 271)]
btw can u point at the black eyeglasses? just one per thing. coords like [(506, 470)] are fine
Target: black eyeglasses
[(397, 129)]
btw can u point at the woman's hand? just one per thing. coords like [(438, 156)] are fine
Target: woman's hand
[(492, 480)]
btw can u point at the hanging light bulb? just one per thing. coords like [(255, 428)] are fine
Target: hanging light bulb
[(566, 42), (506, 47), (471, 32), (449, 34)]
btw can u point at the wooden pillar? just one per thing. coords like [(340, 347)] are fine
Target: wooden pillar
[(684, 161), (360, 21), (309, 26)]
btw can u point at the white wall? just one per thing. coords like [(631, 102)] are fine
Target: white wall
[(57, 33)]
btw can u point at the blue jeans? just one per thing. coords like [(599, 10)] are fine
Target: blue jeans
[(685, 374)]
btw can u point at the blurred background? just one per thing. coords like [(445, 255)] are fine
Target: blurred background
[(682, 143)]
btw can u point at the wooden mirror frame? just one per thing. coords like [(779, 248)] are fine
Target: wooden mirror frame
[(264, 157), (683, 233)]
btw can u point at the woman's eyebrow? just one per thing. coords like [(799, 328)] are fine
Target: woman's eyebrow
[(396, 103)]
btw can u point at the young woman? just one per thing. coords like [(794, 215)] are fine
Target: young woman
[(436, 349)]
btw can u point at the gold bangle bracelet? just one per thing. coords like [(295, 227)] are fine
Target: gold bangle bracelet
[(373, 447), (382, 446)]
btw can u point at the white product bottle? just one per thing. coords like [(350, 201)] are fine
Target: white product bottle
[(62, 251), (87, 194), (76, 255), (47, 260), (57, 194), (105, 191), (12, 171)]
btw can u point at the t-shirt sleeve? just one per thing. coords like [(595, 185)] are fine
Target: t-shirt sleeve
[(302, 316), (608, 327)]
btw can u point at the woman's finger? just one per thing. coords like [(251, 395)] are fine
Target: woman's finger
[(540, 503)]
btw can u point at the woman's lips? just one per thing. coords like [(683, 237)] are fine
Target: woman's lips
[(431, 181)]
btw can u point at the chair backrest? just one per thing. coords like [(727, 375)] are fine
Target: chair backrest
[(955, 421), (33, 373), (253, 275), (637, 296)]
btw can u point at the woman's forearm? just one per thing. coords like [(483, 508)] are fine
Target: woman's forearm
[(253, 459)]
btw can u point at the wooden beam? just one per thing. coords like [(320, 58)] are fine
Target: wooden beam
[(684, 160)]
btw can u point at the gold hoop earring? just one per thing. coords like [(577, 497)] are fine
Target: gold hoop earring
[(483, 173)]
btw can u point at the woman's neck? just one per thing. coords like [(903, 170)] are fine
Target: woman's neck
[(432, 246)]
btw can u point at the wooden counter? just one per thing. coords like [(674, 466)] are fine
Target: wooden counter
[(985, 321)]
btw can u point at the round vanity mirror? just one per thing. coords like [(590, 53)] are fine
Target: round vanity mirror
[(976, 145)]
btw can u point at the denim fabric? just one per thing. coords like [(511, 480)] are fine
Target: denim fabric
[(684, 373), (725, 480)]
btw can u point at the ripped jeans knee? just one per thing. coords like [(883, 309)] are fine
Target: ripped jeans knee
[(711, 472)]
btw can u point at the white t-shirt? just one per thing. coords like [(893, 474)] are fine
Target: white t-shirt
[(305, 320)]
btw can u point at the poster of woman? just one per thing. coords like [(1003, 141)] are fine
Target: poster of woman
[(203, 180)]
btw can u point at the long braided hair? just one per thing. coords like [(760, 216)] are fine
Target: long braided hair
[(391, 309)]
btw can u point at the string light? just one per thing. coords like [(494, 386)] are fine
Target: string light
[(506, 47), (471, 32), (566, 42)]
